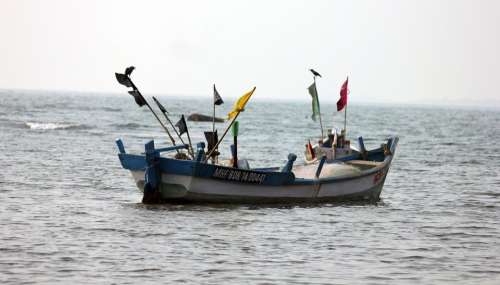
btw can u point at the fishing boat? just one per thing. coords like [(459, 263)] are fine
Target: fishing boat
[(180, 173), (163, 178)]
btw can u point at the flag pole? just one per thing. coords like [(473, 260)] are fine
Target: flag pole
[(319, 108), (213, 128), (177, 133), (156, 116), (189, 139), (223, 135), (239, 107), (345, 120), (164, 127), (235, 143), (213, 118), (175, 130), (345, 112)]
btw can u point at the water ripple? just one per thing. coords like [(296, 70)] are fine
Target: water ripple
[(71, 215)]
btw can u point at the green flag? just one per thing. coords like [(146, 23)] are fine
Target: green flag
[(315, 101), (235, 128)]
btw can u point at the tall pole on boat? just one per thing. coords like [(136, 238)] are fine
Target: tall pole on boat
[(157, 118), (345, 120), (239, 106), (217, 101), (223, 135), (189, 140), (164, 112), (235, 144), (181, 124), (342, 102), (316, 100), (125, 80), (213, 120), (213, 131)]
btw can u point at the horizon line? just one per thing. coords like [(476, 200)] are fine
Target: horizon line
[(279, 99)]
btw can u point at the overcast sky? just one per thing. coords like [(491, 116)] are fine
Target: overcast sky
[(436, 52)]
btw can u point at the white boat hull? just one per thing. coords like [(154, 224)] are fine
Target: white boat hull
[(190, 188), (196, 181)]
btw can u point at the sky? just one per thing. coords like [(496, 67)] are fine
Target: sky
[(412, 52)]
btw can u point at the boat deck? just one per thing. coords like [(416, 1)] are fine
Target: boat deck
[(353, 167)]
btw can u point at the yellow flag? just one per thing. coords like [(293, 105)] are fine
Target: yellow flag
[(239, 106)]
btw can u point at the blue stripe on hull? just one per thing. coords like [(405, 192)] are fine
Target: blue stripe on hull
[(197, 169)]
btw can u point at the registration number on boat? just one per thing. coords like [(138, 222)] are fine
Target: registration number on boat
[(239, 175)]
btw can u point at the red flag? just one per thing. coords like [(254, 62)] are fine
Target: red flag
[(342, 102), (311, 150)]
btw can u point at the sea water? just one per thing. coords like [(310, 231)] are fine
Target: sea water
[(70, 214)]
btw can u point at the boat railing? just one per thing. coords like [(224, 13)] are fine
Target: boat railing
[(121, 147), (171, 148), (289, 164)]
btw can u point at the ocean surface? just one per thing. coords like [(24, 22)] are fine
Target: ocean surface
[(69, 214)]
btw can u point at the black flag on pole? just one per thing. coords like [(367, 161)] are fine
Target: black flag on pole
[(315, 73), (181, 124), (138, 98), (212, 139), (129, 70), (123, 79), (217, 99), (160, 106)]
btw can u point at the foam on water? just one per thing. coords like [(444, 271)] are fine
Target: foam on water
[(54, 126)]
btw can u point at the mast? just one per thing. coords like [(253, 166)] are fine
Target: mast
[(345, 120)]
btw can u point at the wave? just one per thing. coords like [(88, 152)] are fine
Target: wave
[(109, 109), (130, 126), (55, 126)]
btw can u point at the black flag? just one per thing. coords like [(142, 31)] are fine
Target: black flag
[(181, 124), (123, 79), (138, 98), (217, 98), (129, 70), (315, 73), (160, 106), (212, 140)]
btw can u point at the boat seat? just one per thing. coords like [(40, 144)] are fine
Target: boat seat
[(363, 162), (330, 170)]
